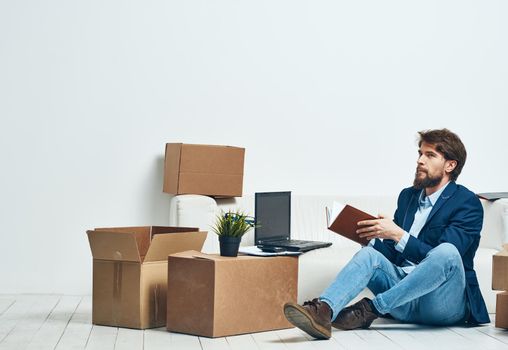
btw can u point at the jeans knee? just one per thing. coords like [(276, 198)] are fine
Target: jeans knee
[(446, 252), (445, 249), (366, 253), (367, 250)]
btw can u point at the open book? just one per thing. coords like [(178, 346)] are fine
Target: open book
[(343, 219)]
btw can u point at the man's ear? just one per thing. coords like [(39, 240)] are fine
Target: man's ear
[(450, 165)]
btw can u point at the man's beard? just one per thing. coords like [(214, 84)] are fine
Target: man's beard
[(427, 181)]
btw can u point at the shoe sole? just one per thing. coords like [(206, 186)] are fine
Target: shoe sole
[(298, 317)]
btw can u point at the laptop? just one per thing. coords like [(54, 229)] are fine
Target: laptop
[(273, 223)]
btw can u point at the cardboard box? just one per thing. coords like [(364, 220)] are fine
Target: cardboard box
[(502, 310), (500, 269), (203, 169), (130, 272), (214, 296)]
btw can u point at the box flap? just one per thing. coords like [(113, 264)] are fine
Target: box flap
[(165, 244), (107, 245), (502, 253), (187, 254), (142, 234), (172, 167), (172, 229), (215, 257), (192, 254), (212, 159)]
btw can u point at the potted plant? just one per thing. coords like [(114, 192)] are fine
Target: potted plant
[(230, 227)]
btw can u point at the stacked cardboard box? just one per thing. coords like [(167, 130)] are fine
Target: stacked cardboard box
[(130, 264), (130, 272), (500, 282), (203, 169), (215, 296)]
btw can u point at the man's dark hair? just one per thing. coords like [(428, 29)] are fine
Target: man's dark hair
[(449, 145)]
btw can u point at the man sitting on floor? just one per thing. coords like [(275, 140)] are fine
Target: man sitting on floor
[(420, 265)]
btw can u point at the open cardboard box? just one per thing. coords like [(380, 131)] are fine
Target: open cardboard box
[(203, 169), (215, 296), (130, 272)]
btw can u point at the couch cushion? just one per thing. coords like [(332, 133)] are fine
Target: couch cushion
[(318, 268)]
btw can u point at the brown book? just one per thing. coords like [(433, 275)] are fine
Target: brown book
[(343, 219)]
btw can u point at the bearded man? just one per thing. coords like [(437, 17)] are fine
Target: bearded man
[(419, 265)]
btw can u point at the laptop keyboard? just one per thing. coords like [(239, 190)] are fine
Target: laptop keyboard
[(299, 243)]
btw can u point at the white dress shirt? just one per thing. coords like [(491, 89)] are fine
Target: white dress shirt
[(425, 205)]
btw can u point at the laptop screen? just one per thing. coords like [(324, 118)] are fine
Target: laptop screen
[(273, 216)]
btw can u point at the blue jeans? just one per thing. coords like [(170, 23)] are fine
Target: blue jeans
[(433, 293)]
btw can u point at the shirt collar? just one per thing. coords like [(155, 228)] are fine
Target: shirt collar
[(429, 201)]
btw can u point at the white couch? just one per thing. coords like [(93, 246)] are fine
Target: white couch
[(319, 267)]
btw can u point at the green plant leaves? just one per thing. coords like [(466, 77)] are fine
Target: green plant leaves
[(234, 224)]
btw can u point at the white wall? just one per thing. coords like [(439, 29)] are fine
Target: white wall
[(326, 96)]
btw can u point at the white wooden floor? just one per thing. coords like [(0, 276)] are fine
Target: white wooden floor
[(64, 322)]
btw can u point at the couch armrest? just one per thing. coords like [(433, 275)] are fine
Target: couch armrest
[(495, 224), (195, 211)]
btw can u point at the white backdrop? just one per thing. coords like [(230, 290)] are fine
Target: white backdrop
[(326, 96)]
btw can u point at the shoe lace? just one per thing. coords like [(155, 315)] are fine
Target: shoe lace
[(358, 309), (314, 303)]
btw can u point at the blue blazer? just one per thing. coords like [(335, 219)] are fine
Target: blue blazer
[(456, 218)]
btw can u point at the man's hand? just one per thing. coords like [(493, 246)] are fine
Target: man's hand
[(380, 228)]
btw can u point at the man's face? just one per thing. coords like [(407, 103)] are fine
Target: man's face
[(431, 167)]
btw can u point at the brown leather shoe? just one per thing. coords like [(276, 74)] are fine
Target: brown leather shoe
[(313, 317), (359, 315)]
